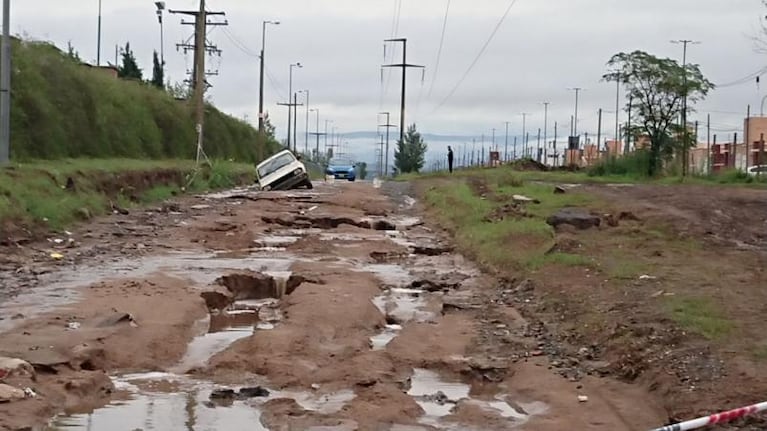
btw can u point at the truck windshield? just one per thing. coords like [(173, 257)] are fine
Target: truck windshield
[(272, 165)]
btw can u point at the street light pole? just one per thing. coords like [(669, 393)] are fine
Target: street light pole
[(261, 114), (5, 86), (290, 103), (98, 41), (317, 133), (575, 120), (306, 142)]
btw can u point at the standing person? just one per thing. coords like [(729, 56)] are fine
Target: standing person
[(450, 159)]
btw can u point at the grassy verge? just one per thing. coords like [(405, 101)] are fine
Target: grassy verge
[(36, 195), (727, 178), (523, 241), (700, 315)]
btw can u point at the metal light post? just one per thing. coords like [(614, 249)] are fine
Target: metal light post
[(160, 8), (317, 132), (98, 41), (261, 113), (290, 96), (577, 91), (306, 142), (5, 86)]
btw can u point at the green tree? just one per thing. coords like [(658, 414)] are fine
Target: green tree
[(72, 52), (158, 72), (129, 68), (657, 88), (409, 156)]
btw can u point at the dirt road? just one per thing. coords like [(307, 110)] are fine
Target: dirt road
[(332, 309)]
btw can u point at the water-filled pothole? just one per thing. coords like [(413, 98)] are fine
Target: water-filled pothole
[(440, 399), (187, 408)]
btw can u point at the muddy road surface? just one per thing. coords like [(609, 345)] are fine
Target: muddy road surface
[(332, 309)]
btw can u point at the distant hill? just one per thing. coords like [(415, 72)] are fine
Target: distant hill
[(62, 108)]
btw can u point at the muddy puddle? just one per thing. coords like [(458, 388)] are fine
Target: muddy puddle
[(63, 287), (442, 401), (187, 408)]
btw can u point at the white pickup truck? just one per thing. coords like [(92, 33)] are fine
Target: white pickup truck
[(282, 171)]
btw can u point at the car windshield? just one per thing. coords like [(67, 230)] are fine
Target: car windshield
[(340, 162), (274, 164)]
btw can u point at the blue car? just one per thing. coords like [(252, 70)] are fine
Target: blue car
[(342, 169)]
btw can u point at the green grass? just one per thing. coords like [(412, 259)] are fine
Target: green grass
[(33, 193), (501, 174), (700, 315), (563, 259), (61, 108), (521, 242)]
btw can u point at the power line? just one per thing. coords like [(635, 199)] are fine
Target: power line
[(744, 79), (479, 55), (394, 31), (441, 45)]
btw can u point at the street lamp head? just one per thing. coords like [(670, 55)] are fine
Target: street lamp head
[(160, 5)]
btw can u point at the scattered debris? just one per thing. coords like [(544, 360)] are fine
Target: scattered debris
[(559, 190), (647, 277), (57, 256), (524, 199), (118, 318), (583, 398), (244, 393), (577, 217), (73, 326)]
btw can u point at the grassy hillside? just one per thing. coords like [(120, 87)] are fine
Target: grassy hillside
[(61, 108), (51, 195)]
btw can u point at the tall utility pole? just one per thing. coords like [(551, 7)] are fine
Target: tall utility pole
[(684, 43), (575, 121), (538, 148), (200, 48), (5, 86), (261, 113), (524, 133), (554, 144), (405, 66), (98, 36), (493, 144), (617, 109), (306, 141), (290, 104), (295, 123), (545, 128), (599, 130), (388, 126), (317, 133), (506, 147), (160, 8)]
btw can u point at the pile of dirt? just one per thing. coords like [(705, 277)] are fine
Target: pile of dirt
[(528, 165)]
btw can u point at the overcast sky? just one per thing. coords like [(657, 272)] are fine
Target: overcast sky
[(542, 48)]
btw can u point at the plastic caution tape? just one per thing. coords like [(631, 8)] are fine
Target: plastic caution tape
[(718, 418)]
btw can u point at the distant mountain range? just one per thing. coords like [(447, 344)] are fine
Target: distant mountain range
[(428, 137)]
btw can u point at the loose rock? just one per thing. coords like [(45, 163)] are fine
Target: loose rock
[(10, 394), (577, 217)]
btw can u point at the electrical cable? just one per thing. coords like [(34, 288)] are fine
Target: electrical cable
[(439, 50), (478, 57)]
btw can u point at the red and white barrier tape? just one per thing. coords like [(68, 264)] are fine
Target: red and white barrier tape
[(718, 418)]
